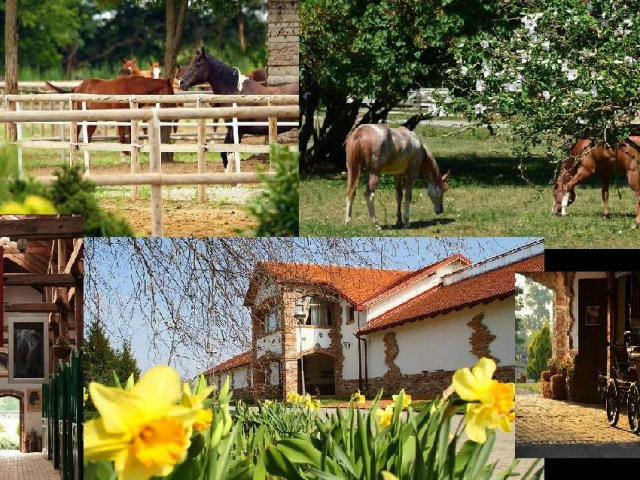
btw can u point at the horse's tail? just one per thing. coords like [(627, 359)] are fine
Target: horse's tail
[(58, 89), (355, 159)]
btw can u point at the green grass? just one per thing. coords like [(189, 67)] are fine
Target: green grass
[(489, 195), (532, 387)]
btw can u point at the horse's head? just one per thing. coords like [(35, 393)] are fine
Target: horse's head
[(155, 69), (561, 198), (130, 65), (436, 192), (197, 72)]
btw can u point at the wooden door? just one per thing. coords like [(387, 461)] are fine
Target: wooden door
[(592, 337)]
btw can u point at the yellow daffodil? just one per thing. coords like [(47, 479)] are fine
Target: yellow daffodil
[(294, 397), (32, 204), (406, 400), (385, 416), (267, 403), (388, 476), (144, 431), (358, 398), (196, 402), (491, 404)]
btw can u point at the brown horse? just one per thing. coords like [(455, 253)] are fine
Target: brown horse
[(398, 151), (258, 75), (133, 85), (130, 64), (154, 71), (586, 158), (226, 80)]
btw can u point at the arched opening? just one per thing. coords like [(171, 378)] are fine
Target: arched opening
[(319, 374), (12, 420)]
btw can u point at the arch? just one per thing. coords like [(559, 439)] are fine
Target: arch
[(319, 370), (20, 396)]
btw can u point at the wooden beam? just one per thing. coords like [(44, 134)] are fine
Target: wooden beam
[(75, 257), (39, 279), (32, 307), (43, 228)]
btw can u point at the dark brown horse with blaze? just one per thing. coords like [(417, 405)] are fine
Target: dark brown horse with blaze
[(587, 158), (226, 80), (132, 85)]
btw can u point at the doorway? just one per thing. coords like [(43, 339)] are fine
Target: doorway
[(11, 421)]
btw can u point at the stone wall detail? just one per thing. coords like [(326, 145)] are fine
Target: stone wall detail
[(283, 42), (480, 338)]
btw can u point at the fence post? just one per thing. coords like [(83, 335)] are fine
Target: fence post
[(135, 150), (236, 155), (73, 139), (273, 131), (62, 135), (155, 158), (202, 149), (18, 139), (85, 139)]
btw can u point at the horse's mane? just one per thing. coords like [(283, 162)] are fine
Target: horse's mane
[(224, 74), (429, 167)]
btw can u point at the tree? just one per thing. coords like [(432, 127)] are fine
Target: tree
[(568, 69), (354, 50), (539, 352), (11, 58)]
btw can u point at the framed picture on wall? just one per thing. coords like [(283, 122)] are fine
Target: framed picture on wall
[(592, 316), (4, 361), (34, 400), (28, 350)]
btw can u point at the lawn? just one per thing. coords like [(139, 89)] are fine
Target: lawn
[(531, 387), (489, 195)]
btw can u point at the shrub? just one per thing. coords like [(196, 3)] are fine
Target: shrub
[(6, 444), (558, 387), (539, 352), (545, 376), (277, 207)]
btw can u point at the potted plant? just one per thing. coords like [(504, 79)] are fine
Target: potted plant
[(62, 347)]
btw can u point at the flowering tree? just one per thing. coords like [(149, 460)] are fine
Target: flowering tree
[(553, 71)]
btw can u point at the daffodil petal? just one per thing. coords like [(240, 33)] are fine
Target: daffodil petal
[(484, 369), (162, 384), (504, 424), (120, 410), (100, 444), (465, 385)]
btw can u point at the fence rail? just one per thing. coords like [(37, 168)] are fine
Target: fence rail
[(153, 116)]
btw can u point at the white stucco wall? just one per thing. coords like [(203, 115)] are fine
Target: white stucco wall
[(574, 307), (239, 377), (24, 295), (265, 291), (312, 336), (274, 373), (405, 294), (442, 343), (350, 363), (269, 344)]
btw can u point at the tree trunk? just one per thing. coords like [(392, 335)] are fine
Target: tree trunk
[(11, 59), (243, 43), (174, 26)]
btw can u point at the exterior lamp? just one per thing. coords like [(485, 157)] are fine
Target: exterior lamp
[(22, 245), (300, 317)]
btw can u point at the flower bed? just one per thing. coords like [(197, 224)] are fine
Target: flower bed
[(156, 429)]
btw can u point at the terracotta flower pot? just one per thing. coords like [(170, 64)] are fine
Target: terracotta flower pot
[(558, 387)]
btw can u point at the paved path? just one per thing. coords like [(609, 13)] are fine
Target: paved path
[(557, 429), (25, 466)]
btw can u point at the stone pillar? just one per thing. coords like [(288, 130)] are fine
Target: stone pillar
[(562, 306), (283, 43), (289, 342)]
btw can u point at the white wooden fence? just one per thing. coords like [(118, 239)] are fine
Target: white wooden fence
[(153, 116)]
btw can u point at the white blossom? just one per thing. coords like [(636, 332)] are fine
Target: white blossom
[(486, 70), (514, 86), (546, 95), (572, 74), (480, 86), (463, 70), (484, 43), (448, 99), (525, 57), (480, 108), (579, 91), (629, 59), (545, 45), (594, 91), (581, 121)]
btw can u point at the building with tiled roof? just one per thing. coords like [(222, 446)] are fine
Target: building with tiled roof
[(330, 330)]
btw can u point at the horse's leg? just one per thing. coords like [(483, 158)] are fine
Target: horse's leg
[(581, 175), (370, 195), (90, 131), (408, 193), (604, 182), (227, 140), (399, 200), (353, 175)]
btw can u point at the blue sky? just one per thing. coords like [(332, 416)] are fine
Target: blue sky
[(129, 312)]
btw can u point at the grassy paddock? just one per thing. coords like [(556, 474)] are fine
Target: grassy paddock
[(532, 387), (491, 194)]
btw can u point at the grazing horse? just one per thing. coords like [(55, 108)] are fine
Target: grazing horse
[(226, 80), (397, 151), (588, 158), (132, 85)]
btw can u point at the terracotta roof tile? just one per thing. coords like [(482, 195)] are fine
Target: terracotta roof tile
[(354, 283), (234, 362), (483, 288)]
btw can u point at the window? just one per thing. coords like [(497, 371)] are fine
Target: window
[(320, 313), (351, 315), (272, 322)]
